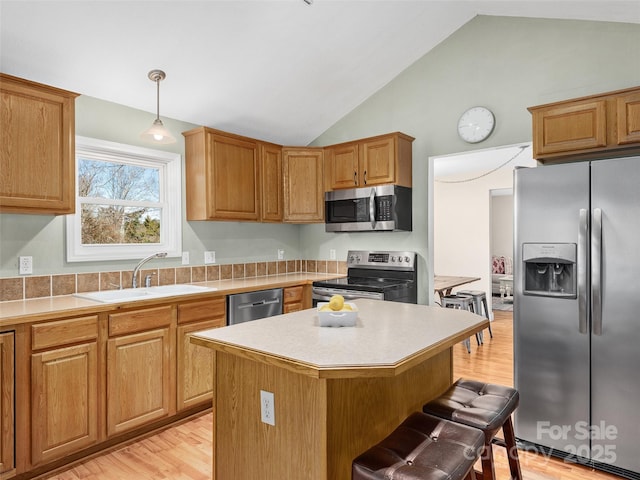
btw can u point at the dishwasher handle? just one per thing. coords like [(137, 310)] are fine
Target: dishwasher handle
[(258, 304)]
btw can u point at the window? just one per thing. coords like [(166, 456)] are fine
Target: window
[(128, 202)]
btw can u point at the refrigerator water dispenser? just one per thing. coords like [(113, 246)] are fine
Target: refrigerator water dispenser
[(550, 269)]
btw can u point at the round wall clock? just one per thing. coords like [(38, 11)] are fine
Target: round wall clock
[(476, 124)]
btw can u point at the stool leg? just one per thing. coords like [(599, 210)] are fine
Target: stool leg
[(488, 469), (486, 312), (472, 308), (467, 343), (512, 451)]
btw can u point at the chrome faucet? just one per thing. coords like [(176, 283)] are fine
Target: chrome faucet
[(134, 279)]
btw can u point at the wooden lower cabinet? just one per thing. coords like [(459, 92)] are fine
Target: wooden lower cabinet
[(139, 368), (7, 404), (96, 379), (195, 363), (64, 388)]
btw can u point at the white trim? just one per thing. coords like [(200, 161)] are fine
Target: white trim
[(171, 225)]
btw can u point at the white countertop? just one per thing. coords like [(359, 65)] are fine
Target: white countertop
[(386, 334), (24, 311)]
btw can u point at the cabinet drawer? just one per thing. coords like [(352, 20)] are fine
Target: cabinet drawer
[(139, 320), (204, 310), (62, 332), (293, 294), (292, 307)]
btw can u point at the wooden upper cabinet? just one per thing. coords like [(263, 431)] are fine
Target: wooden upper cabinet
[(272, 201), (587, 127), (303, 184), (371, 161), (222, 173), (628, 112), (37, 164), (342, 166)]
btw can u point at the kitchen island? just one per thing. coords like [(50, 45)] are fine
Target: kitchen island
[(336, 391)]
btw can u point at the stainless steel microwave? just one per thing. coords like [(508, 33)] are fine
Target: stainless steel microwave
[(368, 209)]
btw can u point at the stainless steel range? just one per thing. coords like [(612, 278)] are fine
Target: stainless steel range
[(381, 275)]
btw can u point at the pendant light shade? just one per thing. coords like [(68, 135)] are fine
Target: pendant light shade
[(157, 133)]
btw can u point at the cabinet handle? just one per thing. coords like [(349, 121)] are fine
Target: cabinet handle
[(365, 177), (355, 178)]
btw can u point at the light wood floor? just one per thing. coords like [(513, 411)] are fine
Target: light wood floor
[(183, 452)]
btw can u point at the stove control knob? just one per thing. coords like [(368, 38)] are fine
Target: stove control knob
[(393, 259), (407, 259)]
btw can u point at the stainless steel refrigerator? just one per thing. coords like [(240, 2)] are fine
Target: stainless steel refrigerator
[(577, 311)]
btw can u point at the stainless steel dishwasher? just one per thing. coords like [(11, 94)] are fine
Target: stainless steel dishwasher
[(244, 307)]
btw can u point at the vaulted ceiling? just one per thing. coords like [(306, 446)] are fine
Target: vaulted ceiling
[(282, 70)]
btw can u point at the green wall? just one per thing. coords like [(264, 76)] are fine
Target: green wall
[(504, 63), (42, 236)]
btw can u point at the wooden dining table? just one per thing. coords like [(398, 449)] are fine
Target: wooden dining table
[(444, 284)]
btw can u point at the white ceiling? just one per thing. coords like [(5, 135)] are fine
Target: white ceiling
[(282, 71)]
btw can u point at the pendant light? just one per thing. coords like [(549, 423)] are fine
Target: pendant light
[(157, 132)]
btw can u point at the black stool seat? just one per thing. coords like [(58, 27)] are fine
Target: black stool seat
[(487, 407), (423, 447)]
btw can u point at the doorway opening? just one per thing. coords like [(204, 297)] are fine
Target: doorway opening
[(460, 209)]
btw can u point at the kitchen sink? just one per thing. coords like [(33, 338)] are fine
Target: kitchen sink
[(129, 294)]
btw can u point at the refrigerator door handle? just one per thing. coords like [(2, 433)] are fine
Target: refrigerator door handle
[(583, 239), (596, 271)]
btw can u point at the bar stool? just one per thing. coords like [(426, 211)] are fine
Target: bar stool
[(479, 303), (461, 302), (423, 447), (487, 407)]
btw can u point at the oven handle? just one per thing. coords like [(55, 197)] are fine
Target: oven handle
[(319, 293), (372, 208)]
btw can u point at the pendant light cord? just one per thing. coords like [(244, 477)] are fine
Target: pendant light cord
[(516, 155)]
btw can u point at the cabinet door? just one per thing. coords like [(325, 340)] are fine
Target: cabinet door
[(37, 151), (377, 161), (628, 116), (195, 366), (271, 174), (234, 184), (343, 166), (64, 401), (7, 407), (138, 379), (569, 128), (303, 185)]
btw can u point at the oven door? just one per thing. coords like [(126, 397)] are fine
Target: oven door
[(324, 294)]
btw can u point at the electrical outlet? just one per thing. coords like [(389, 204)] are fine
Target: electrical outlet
[(332, 254), (209, 257), (26, 265), (280, 254), (267, 408), (185, 258)]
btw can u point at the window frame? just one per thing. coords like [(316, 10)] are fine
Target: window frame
[(170, 182)]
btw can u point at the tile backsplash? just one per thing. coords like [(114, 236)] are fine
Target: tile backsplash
[(38, 286)]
